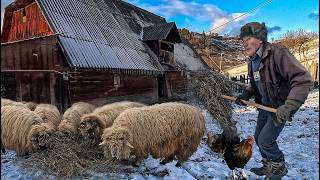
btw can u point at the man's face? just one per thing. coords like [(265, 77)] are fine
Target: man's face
[(251, 45)]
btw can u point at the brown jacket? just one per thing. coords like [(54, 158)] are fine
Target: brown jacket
[(281, 75)]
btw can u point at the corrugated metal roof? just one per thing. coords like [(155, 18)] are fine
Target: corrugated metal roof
[(96, 34), (105, 35), (156, 32)]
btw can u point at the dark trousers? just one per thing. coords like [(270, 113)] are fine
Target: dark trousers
[(266, 135)]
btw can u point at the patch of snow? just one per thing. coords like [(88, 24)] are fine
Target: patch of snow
[(186, 57)]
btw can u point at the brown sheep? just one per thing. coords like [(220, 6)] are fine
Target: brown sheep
[(93, 124), (71, 118), (162, 130), (22, 130), (49, 114)]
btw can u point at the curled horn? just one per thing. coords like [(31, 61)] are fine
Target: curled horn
[(128, 144), (102, 143)]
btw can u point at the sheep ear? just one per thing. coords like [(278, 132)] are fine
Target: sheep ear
[(129, 145), (103, 142)]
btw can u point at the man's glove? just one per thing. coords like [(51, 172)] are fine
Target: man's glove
[(286, 111), (245, 96)]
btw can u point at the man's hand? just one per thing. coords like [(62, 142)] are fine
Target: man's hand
[(286, 111), (245, 96)]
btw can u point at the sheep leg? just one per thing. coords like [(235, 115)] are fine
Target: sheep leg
[(244, 175), (167, 159), (137, 161), (3, 150)]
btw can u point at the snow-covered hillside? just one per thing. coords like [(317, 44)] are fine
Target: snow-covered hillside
[(299, 141)]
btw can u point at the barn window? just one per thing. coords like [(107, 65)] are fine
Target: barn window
[(116, 80), (24, 15)]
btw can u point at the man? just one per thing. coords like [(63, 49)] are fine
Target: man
[(278, 80)]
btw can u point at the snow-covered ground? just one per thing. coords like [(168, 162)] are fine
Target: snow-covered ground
[(299, 141)]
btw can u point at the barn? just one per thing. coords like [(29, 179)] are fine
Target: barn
[(97, 51)]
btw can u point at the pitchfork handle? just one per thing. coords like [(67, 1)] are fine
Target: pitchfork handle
[(266, 108)]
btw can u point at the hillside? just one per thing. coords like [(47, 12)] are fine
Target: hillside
[(219, 52)]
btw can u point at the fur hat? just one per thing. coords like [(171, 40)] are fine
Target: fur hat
[(254, 29)]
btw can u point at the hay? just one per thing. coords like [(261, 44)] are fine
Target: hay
[(71, 156), (208, 87)]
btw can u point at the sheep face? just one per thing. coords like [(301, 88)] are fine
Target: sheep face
[(117, 146), (39, 137), (90, 130)]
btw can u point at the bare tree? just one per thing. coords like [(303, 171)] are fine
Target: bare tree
[(297, 41)]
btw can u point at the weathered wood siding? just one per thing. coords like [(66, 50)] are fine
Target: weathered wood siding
[(86, 86), (8, 85), (178, 81), (40, 54), (28, 22)]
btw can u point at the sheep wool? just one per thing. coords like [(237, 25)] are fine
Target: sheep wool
[(166, 131), (31, 105), (5, 102), (49, 114), (93, 124), (71, 117), (18, 126)]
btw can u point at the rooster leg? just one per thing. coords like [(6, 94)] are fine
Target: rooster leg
[(244, 175), (233, 175)]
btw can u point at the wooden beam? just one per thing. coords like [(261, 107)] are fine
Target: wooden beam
[(18, 89), (167, 42), (52, 91)]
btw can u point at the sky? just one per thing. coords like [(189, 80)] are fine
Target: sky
[(206, 15), (200, 16)]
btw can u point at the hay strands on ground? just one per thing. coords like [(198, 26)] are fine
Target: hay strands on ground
[(70, 156)]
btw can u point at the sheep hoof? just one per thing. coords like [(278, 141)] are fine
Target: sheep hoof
[(166, 160), (135, 164), (178, 164)]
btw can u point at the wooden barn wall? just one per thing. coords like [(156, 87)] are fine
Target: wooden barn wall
[(86, 86), (36, 54), (28, 22), (178, 81), (8, 86)]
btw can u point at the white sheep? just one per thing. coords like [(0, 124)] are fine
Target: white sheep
[(93, 124), (49, 114), (163, 130), (5, 102), (71, 117), (22, 130)]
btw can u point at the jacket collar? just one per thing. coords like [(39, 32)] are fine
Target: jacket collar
[(265, 50)]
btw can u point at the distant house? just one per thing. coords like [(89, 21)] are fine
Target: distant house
[(64, 51)]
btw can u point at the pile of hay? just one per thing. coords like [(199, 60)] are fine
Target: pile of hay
[(208, 87), (73, 156)]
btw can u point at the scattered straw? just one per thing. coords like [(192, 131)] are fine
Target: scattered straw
[(73, 156)]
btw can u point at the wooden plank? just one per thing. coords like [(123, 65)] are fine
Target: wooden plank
[(52, 90), (44, 55), (4, 57), (19, 88)]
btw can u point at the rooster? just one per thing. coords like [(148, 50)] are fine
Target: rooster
[(235, 153)]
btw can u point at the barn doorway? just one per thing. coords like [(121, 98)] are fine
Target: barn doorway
[(162, 86)]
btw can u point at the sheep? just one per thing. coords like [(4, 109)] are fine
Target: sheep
[(5, 102), (93, 124), (163, 130), (71, 117), (49, 114), (31, 105), (22, 130)]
